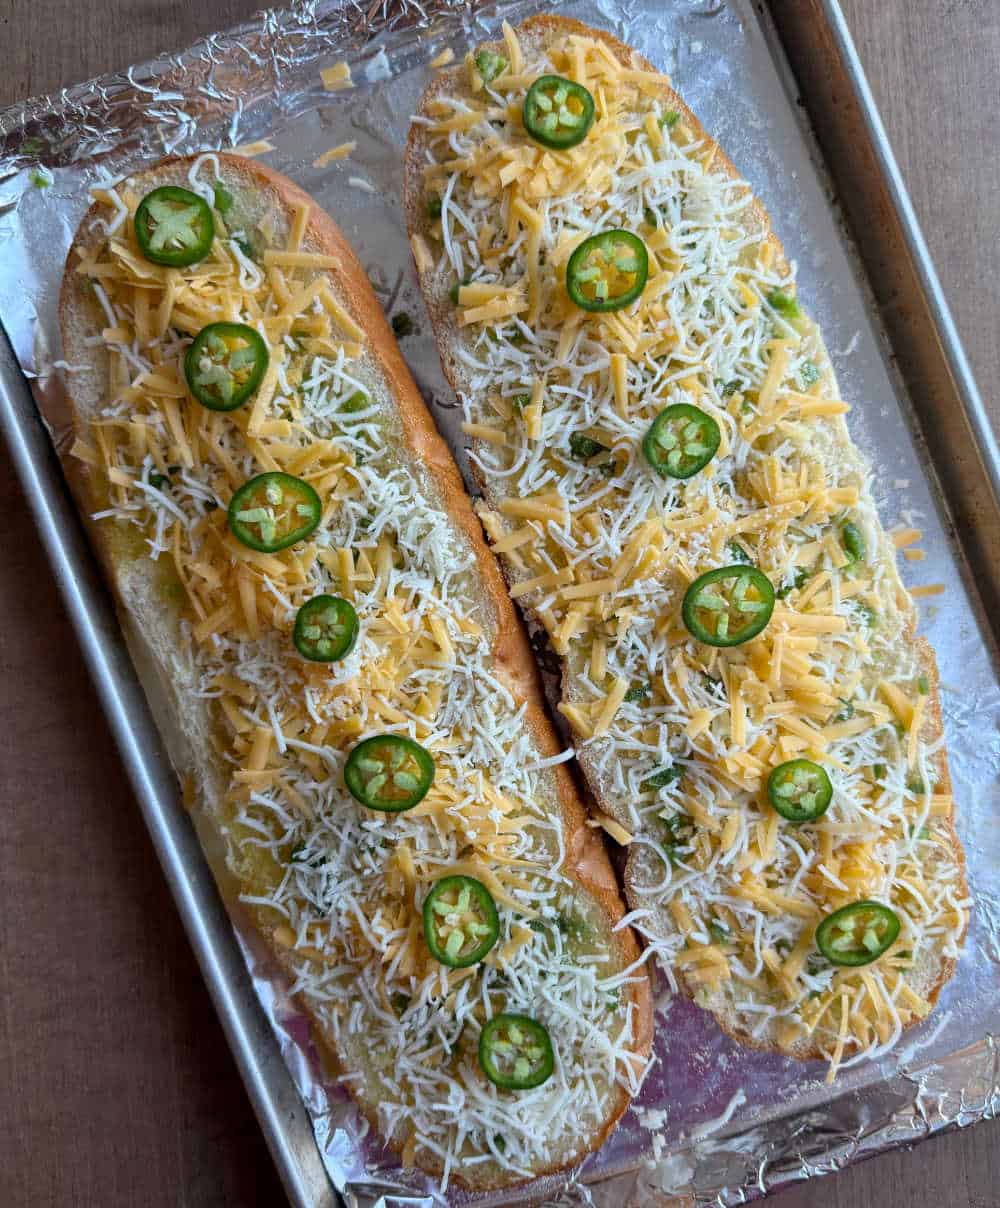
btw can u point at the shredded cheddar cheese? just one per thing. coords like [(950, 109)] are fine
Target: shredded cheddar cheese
[(337, 77), (259, 146), (341, 151)]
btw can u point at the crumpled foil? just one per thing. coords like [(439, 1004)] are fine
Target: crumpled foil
[(716, 1123)]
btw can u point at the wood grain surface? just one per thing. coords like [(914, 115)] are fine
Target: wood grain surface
[(117, 1088)]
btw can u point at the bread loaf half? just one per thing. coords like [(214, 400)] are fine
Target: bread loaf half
[(648, 409), (336, 881)]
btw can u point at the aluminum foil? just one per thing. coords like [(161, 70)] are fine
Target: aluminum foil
[(716, 1123)]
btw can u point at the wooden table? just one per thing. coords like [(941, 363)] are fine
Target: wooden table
[(117, 1087)]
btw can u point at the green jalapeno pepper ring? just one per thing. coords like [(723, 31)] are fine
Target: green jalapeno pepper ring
[(799, 790), (174, 226), (272, 511), (737, 601), (681, 441), (326, 628), (515, 1052), (389, 772), (461, 923), (224, 365), (557, 112), (607, 271), (857, 934)]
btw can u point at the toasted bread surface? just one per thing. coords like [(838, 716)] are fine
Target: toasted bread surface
[(281, 811)]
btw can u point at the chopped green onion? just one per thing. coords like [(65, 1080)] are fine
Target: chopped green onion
[(784, 304), (673, 839), (808, 373), (868, 615), (661, 779), (801, 575), (584, 447), (853, 542), (574, 928), (223, 198)]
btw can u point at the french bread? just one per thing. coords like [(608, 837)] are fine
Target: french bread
[(336, 889), (679, 736)]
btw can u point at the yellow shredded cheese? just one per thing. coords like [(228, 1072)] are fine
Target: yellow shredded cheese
[(341, 151), (337, 77)]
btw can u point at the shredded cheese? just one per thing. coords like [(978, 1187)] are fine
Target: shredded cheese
[(341, 151), (337, 77)]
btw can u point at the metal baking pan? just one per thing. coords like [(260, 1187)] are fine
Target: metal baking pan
[(803, 49), (923, 344)]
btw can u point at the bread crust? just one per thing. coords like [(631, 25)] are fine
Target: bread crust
[(446, 333), (587, 862)]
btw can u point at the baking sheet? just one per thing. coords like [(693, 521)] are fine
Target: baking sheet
[(720, 1121)]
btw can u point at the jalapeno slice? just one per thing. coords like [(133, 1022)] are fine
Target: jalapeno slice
[(857, 934), (799, 790), (174, 226), (389, 773), (272, 511), (515, 1052), (728, 606), (460, 921), (326, 628), (557, 112), (224, 365), (681, 441), (607, 271)]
